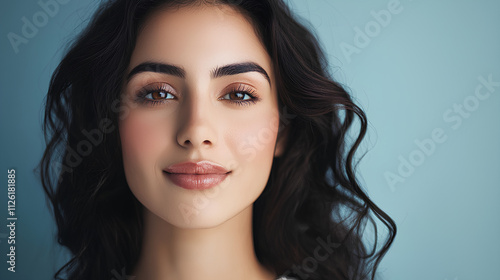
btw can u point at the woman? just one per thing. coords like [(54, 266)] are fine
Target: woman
[(204, 140)]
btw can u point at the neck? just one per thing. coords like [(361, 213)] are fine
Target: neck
[(222, 252)]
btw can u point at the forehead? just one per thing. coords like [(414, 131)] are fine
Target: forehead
[(201, 36)]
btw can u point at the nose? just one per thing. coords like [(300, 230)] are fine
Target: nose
[(196, 125)]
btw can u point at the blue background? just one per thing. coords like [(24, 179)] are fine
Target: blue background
[(407, 75)]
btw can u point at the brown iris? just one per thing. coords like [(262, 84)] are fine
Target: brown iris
[(158, 95)]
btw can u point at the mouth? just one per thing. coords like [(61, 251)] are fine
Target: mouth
[(196, 181), (196, 175)]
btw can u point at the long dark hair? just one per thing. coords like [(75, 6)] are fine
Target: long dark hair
[(312, 199)]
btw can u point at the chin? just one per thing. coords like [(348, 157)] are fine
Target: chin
[(206, 218)]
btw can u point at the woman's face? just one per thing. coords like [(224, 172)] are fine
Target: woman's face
[(182, 109)]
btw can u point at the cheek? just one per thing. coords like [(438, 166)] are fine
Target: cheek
[(252, 143), (141, 138), (256, 138)]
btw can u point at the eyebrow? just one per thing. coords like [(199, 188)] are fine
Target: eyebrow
[(226, 70)]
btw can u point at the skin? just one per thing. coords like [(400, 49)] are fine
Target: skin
[(199, 234)]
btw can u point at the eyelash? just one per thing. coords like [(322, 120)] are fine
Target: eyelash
[(245, 90)]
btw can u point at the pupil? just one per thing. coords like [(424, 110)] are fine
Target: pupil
[(239, 95), (158, 94)]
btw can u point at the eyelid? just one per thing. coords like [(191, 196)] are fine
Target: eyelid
[(159, 85), (241, 87)]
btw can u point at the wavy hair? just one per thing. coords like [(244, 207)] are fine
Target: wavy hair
[(312, 197)]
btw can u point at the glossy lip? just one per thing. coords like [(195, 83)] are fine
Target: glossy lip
[(196, 175)]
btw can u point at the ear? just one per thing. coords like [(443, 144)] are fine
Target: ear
[(281, 141)]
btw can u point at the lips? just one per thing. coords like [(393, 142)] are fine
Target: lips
[(196, 175)]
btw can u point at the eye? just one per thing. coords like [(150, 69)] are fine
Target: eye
[(237, 96), (242, 95), (155, 94), (158, 95)]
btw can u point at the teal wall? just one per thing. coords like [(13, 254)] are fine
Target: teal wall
[(420, 70)]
